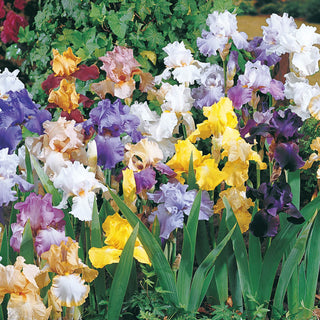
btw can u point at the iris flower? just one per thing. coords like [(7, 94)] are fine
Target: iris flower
[(121, 66), (173, 202), (68, 285), (19, 280), (9, 82), (117, 231), (76, 181)]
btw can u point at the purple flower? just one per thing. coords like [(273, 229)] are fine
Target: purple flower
[(273, 199), (287, 156), (264, 225), (46, 237), (259, 49), (145, 179), (174, 201), (41, 214), (110, 151), (256, 77), (19, 109), (112, 120)]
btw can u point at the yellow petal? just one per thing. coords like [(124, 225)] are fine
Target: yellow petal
[(65, 97), (65, 64), (129, 188), (140, 254), (236, 172), (208, 175), (101, 257)]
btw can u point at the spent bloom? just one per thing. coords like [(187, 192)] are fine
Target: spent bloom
[(173, 202), (117, 231)]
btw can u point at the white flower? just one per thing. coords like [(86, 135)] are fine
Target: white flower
[(178, 99), (186, 69), (77, 181), (178, 55), (9, 82), (301, 92)]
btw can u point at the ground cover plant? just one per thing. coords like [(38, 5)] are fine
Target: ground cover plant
[(167, 178)]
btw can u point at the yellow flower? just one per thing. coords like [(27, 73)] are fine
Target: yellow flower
[(220, 116), (68, 288), (65, 97), (236, 172), (208, 175), (180, 161), (118, 231), (65, 64), (239, 204), (129, 189)]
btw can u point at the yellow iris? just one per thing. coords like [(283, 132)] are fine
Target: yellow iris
[(66, 97), (65, 64), (118, 231)]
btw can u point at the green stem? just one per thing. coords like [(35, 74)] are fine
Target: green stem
[(225, 76)]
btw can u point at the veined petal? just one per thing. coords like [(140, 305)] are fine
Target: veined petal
[(65, 64), (69, 290)]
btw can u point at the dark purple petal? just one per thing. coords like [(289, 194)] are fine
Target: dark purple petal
[(287, 155), (110, 151), (264, 225)]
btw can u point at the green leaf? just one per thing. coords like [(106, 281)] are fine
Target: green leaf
[(188, 252), (290, 265), (154, 251), (121, 277), (191, 181), (203, 275), (46, 182), (4, 251), (118, 27), (312, 266), (222, 5), (26, 247), (240, 252), (277, 248)]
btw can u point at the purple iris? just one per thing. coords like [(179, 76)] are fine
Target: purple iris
[(256, 77), (174, 201), (19, 109), (259, 49), (110, 121), (43, 217), (273, 199), (283, 128)]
